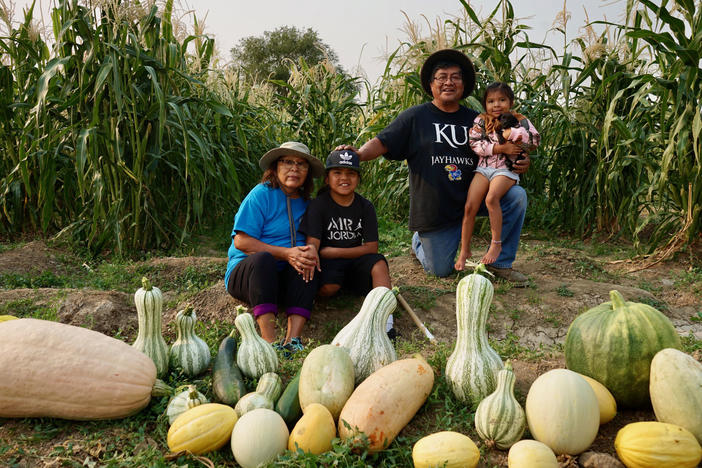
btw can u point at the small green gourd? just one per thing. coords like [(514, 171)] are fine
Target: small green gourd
[(500, 419), (149, 304), (189, 352), (267, 393), (183, 401), (472, 368), (364, 336), (255, 356)]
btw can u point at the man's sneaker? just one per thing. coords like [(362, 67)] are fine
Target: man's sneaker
[(514, 277)]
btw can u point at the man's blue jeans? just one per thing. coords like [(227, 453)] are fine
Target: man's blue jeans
[(436, 250)]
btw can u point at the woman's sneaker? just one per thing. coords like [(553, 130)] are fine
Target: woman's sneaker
[(295, 345)]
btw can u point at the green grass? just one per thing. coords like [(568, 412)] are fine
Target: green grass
[(563, 291)]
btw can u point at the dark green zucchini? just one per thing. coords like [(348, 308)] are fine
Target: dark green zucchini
[(227, 380), (288, 405)]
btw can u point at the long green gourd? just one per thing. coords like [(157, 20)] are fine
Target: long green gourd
[(149, 304), (472, 368)]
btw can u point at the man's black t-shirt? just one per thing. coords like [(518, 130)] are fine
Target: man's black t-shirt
[(441, 163), (340, 226)]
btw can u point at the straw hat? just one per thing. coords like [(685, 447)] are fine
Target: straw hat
[(293, 148)]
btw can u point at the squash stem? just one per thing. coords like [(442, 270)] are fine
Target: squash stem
[(617, 299)]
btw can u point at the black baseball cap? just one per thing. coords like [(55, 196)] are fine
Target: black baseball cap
[(344, 158)]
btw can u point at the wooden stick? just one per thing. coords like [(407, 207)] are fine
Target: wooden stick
[(415, 319)]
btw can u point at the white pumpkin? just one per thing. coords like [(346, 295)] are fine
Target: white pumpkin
[(562, 411), (259, 437), (676, 390)]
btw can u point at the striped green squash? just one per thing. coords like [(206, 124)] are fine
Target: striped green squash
[(149, 304), (255, 356), (472, 368), (266, 394), (364, 336), (182, 402), (614, 344), (189, 352), (500, 419)]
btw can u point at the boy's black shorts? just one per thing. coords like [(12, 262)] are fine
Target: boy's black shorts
[(353, 273)]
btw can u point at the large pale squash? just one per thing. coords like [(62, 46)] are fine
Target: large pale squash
[(386, 401), (562, 411), (531, 454), (472, 368), (653, 444), (676, 390), (314, 431), (614, 344), (364, 336), (202, 429), (259, 437), (49, 369), (446, 449), (327, 377)]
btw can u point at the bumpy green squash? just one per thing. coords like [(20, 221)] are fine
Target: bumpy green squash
[(614, 344), (327, 378), (472, 368)]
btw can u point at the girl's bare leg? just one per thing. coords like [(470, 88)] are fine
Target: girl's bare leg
[(476, 193), (328, 290), (499, 185), (380, 274)]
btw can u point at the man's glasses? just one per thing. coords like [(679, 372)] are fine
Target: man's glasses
[(441, 79), (289, 164)]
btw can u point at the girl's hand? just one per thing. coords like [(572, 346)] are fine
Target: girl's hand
[(508, 148)]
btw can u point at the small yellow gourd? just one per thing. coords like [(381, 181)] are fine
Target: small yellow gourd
[(448, 449), (531, 454), (652, 444), (605, 400), (314, 431), (202, 429)]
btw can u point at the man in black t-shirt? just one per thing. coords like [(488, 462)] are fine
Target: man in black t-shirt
[(433, 138)]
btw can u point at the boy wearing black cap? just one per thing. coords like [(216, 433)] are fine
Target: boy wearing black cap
[(344, 228)]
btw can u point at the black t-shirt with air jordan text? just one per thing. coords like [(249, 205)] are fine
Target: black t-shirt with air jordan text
[(340, 226), (441, 163)]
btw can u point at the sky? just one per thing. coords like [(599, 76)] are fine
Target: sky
[(360, 31)]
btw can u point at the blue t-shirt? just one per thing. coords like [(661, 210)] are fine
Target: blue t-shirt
[(264, 215)]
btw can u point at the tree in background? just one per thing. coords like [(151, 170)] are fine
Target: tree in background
[(264, 57)]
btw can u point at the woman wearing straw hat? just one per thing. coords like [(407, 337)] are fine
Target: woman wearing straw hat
[(269, 263)]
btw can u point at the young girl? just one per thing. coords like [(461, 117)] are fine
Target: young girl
[(492, 178), (342, 225)]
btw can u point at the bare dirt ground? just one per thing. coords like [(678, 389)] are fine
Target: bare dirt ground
[(563, 283)]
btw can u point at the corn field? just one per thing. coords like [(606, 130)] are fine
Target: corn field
[(124, 136)]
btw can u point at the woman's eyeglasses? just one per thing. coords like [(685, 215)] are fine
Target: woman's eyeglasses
[(289, 164)]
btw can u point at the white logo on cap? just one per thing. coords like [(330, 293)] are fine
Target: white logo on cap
[(346, 158)]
